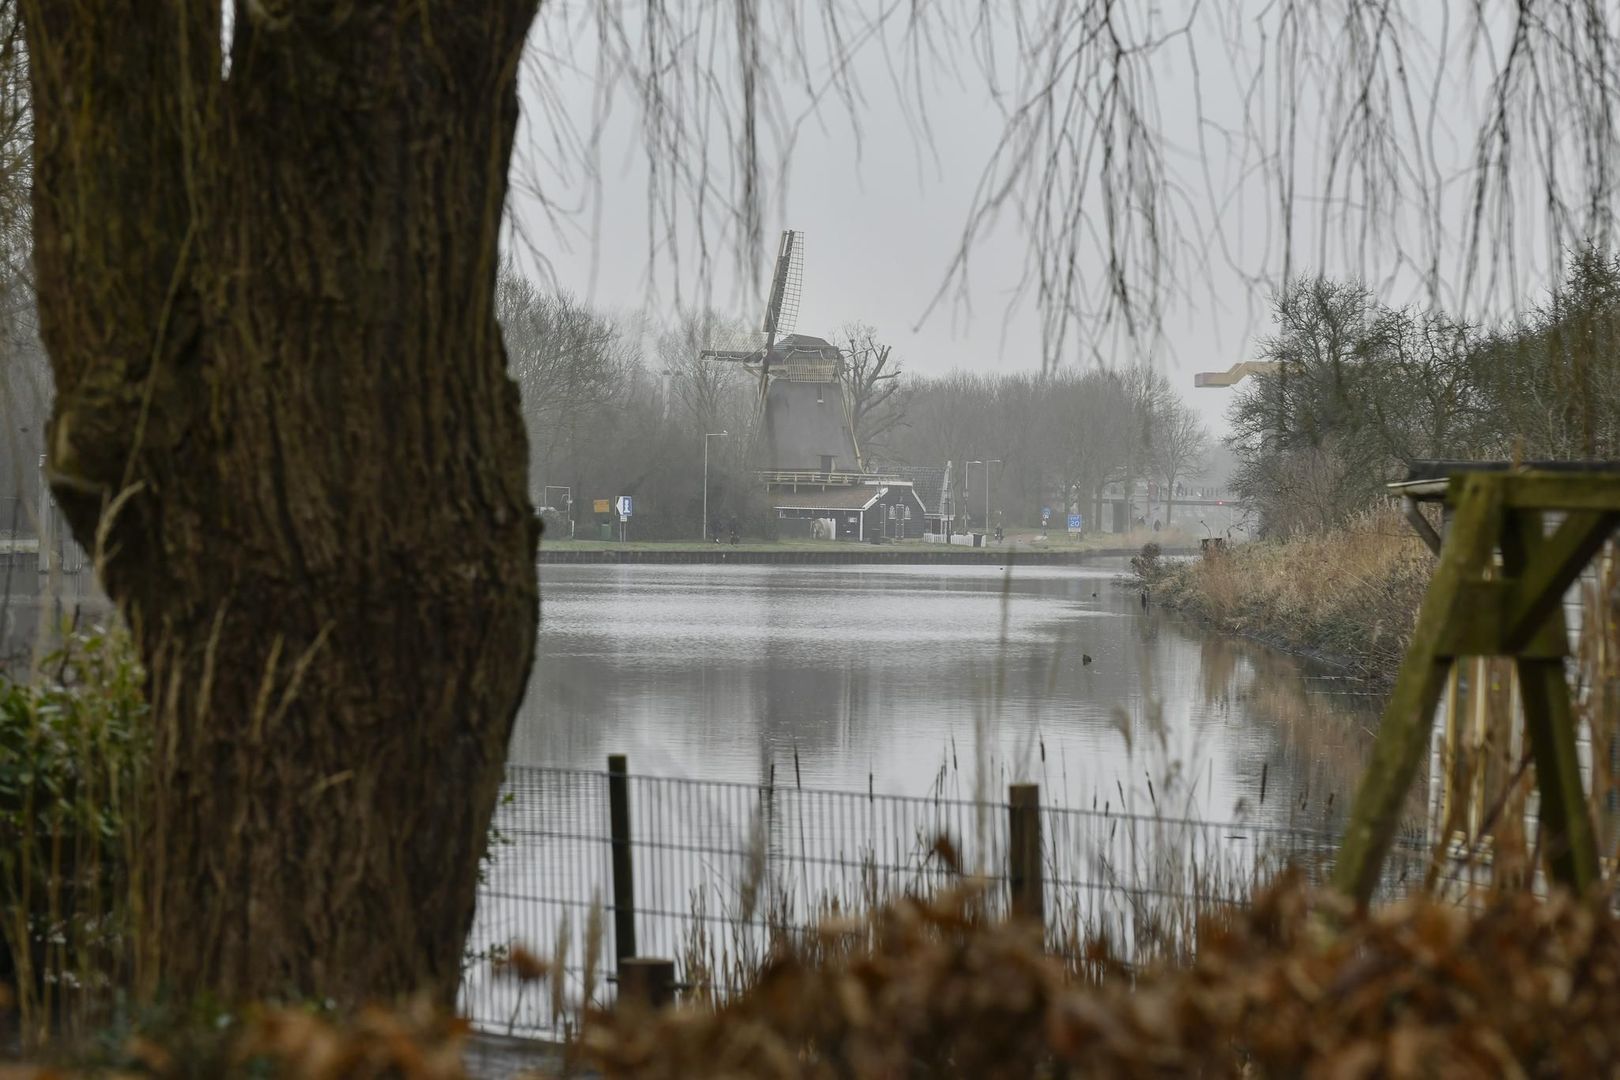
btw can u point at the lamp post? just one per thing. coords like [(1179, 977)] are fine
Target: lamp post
[(706, 438), (986, 464)]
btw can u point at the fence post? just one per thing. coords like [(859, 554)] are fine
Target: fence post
[(1024, 870), (647, 980), (43, 530), (624, 892)]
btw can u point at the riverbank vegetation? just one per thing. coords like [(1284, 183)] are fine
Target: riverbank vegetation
[(1362, 389), (1346, 595)]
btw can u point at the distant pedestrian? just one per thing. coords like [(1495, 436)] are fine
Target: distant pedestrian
[(1155, 524)]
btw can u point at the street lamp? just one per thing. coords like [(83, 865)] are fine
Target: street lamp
[(706, 438), (986, 464)]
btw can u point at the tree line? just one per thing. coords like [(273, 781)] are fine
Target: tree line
[(1362, 389), (618, 406)]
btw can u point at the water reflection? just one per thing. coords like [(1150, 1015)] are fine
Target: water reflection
[(905, 679), (919, 679)]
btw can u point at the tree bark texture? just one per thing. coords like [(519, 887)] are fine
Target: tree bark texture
[(284, 420)]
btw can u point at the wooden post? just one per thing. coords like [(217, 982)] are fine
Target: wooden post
[(1403, 736), (648, 981), (624, 890), (1024, 870), (1542, 564), (42, 552), (1474, 608)]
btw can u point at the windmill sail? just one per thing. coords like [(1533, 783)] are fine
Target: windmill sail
[(787, 283), (781, 309)]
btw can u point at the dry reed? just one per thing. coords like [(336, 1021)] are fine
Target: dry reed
[(1347, 596)]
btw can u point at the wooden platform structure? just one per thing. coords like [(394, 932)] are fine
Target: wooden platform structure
[(1497, 590)]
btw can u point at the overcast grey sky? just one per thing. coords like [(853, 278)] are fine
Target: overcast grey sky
[(882, 204)]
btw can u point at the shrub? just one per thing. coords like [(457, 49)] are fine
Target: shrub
[(71, 751), (1148, 564)]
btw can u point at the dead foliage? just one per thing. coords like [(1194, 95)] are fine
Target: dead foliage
[(417, 1041), (1293, 986)]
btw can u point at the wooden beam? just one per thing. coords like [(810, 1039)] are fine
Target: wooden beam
[(1541, 568), (1478, 625), (1567, 843), (1551, 565), (1561, 491), (1403, 736)]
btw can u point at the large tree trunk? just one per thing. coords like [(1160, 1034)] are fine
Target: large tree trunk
[(284, 418)]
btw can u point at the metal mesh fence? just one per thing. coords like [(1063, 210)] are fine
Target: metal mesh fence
[(713, 875)]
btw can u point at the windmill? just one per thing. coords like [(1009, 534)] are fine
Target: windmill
[(797, 437)]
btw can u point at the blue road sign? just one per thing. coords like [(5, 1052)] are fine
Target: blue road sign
[(624, 507), (1074, 522)]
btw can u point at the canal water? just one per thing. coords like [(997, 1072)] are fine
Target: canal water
[(904, 680), (773, 716), (801, 740), (925, 680)]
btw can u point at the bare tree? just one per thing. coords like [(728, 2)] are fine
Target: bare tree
[(1180, 450), (1148, 397), (713, 394), (25, 385), (1087, 429), (1549, 381), (569, 361), (874, 389)]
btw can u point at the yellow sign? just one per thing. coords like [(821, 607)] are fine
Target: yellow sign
[(603, 506)]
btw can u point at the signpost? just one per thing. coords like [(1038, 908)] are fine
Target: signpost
[(1074, 523), (623, 506)]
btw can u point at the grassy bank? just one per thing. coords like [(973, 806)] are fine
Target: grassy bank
[(1347, 597), (1021, 540)]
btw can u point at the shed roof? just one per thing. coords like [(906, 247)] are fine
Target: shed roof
[(855, 497), (928, 481)]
